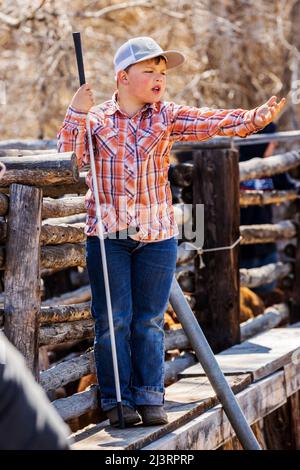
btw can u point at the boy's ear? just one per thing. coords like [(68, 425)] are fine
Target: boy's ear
[(122, 77)]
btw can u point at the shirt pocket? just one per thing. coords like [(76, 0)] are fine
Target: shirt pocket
[(106, 142), (149, 139)]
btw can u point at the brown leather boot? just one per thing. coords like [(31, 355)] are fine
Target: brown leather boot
[(153, 414), (130, 416)]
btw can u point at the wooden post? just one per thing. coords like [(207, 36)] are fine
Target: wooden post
[(216, 185), (22, 273)]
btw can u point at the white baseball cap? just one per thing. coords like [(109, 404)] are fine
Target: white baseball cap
[(143, 48)]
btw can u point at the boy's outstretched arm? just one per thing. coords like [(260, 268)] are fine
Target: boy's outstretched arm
[(197, 124)]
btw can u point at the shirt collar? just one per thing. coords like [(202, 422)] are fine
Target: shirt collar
[(113, 106)]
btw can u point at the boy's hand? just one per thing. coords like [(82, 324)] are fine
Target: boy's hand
[(83, 99), (267, 112)]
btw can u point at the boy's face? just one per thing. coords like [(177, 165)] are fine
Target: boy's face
[(146, 81)]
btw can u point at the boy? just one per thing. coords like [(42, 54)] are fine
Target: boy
[(133, 134)]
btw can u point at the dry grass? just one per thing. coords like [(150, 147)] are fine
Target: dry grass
[(238, 53)]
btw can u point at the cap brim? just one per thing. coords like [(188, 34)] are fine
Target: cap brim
[(174, 58)]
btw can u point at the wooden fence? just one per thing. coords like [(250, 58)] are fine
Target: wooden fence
[(42, 232)]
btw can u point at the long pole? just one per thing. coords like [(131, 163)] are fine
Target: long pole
[(79, 57), (212, 369)]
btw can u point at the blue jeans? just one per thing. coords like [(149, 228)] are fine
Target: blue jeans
[(140, 277)]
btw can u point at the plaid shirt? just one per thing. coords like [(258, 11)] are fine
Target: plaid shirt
[(132, 159)]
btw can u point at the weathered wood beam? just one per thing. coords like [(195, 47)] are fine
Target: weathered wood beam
[(65, 313), (83, 294), (217, 284), (255, 277), (263, 167), (259, 198), (60, 190), (22, 299), (57, 333), (62, 207), (55, 258), (69, 220), (77, 404), (59, 234), (272, 317), (68, 371), (62, 256), (267, 233), (54, 234), (41, 170)]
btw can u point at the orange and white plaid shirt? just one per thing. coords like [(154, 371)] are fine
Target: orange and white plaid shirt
[(132, 159)]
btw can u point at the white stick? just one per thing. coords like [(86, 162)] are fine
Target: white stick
[(104, 264)]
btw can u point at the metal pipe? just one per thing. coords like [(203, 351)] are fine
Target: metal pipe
[(212, 369)]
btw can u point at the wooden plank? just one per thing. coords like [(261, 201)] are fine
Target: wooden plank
[(260, 356), (211, 429), (184, 400)]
